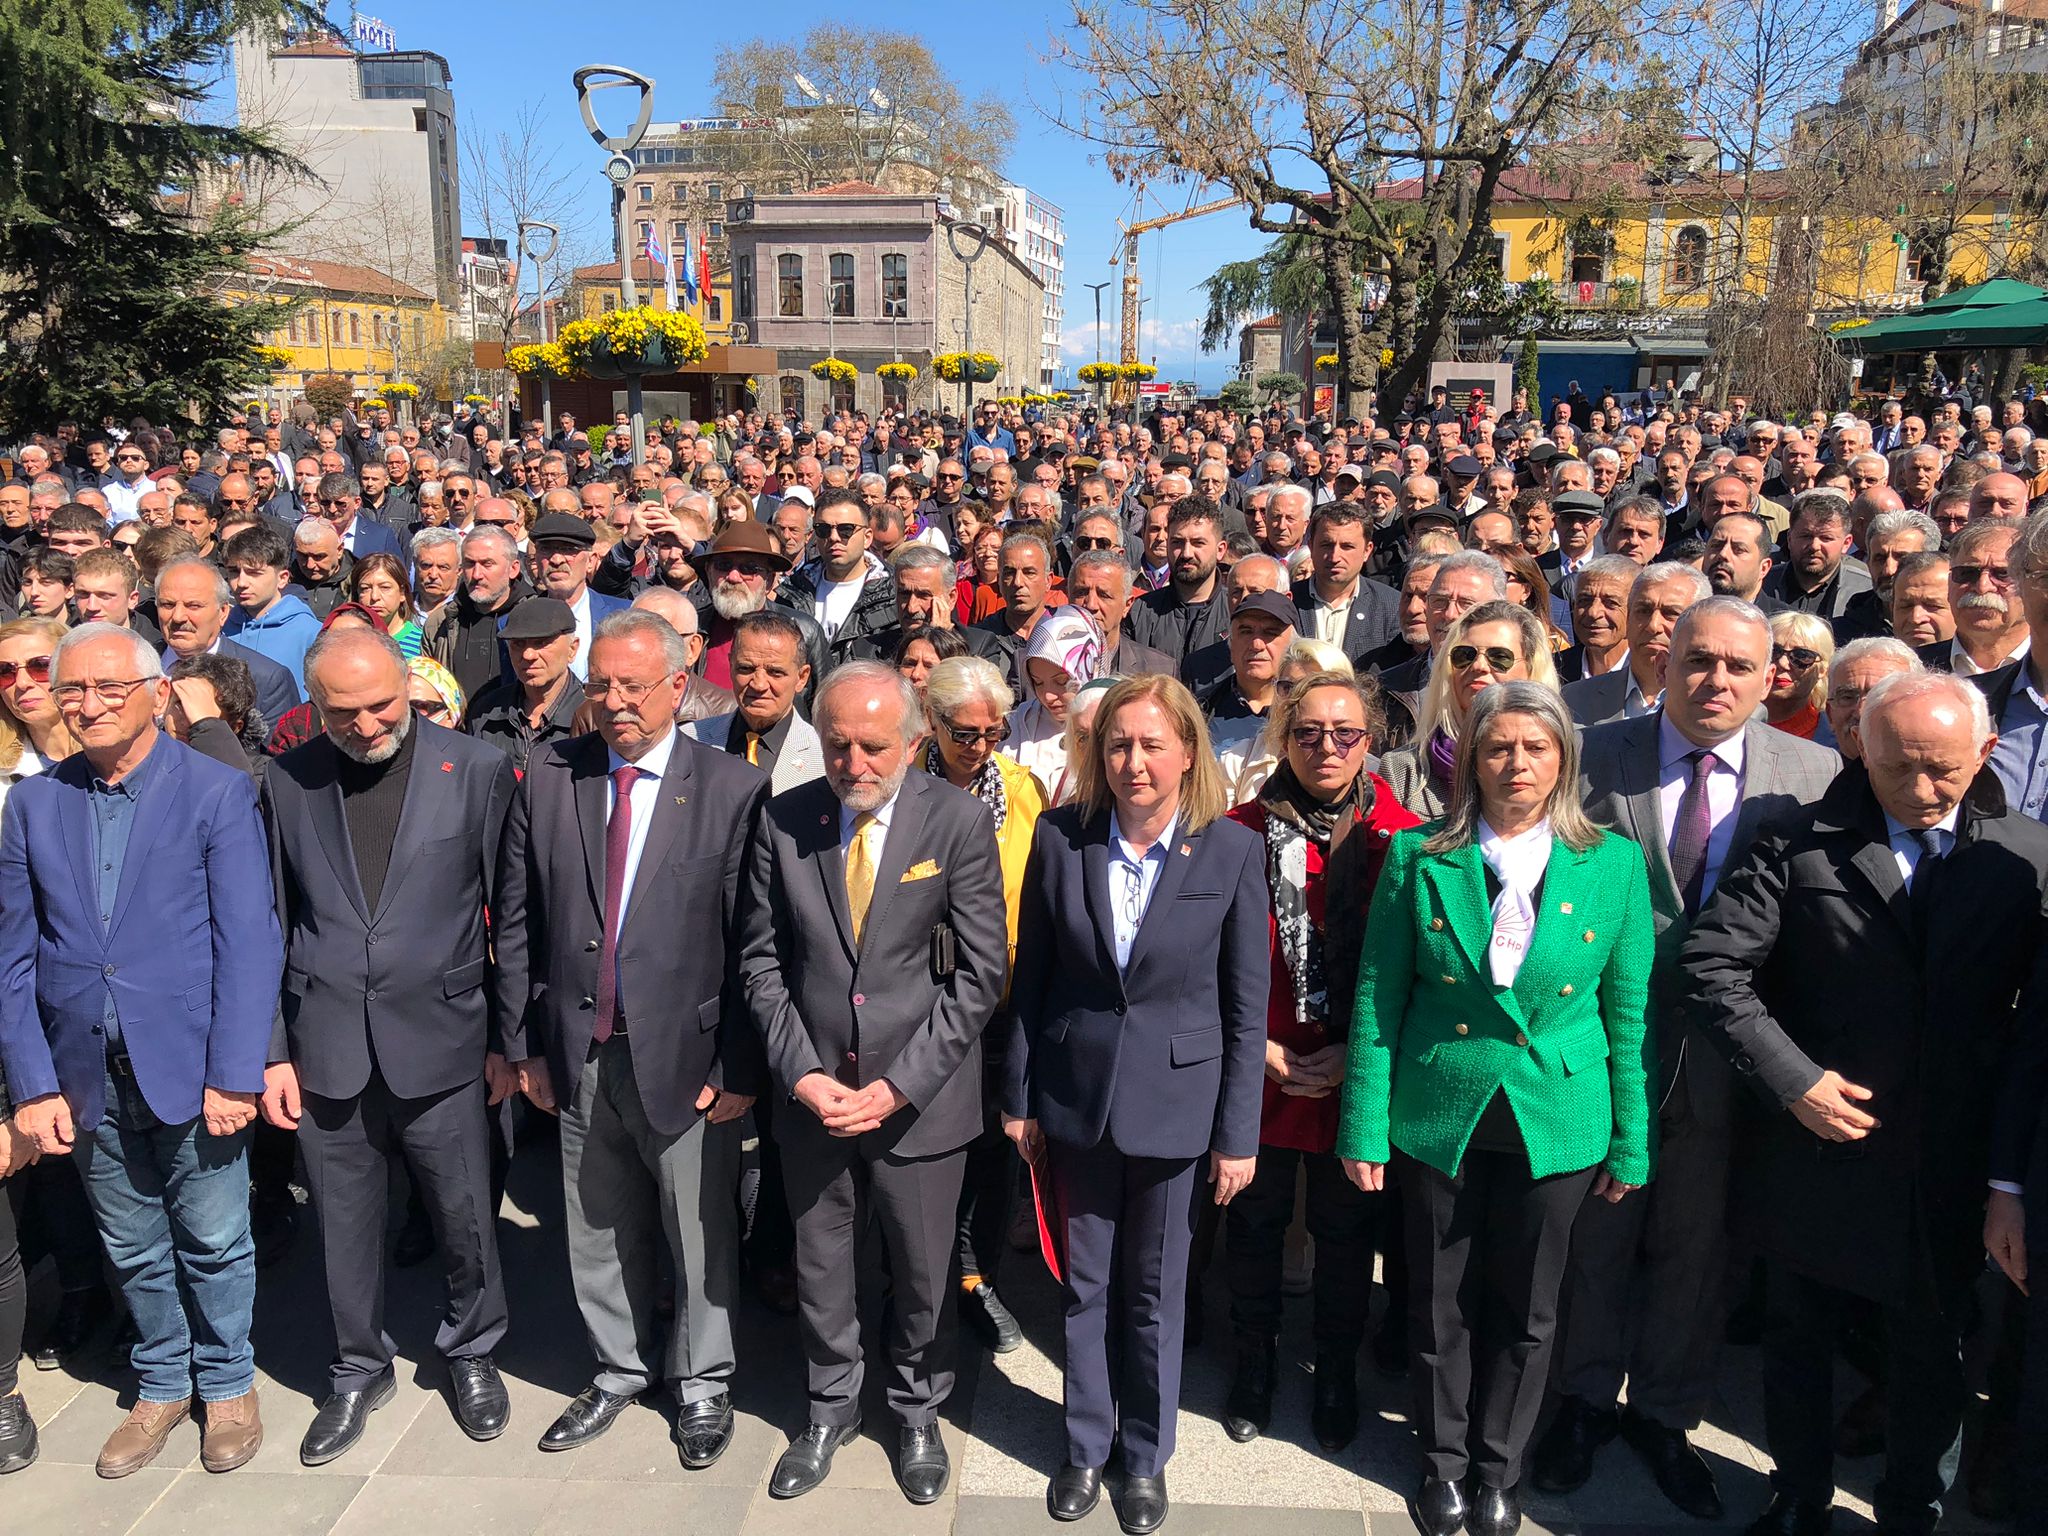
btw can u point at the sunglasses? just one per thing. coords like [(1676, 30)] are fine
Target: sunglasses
[(1498, 657), (840, 531), (944, 476), (1970, 575), (1343, 737), (37, 667), (1798, 655), (964, 736)]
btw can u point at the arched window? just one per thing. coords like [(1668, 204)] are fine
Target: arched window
[(1689, 257), (792, 390)]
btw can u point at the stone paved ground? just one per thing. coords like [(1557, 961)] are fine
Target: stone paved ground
[(415, 1470)]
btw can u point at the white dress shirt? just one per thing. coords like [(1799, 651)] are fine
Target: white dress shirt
[(1907, 849), (646, 793), (579, 664), (1959, 659), (882, 814), (1724, 794), (1333, 619), (1133, 876)]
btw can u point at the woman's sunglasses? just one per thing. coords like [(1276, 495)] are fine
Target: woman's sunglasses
[(37, 667), (1498, 657)]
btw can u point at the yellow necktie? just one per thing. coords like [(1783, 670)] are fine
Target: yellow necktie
[(754, 748), (860, 872)]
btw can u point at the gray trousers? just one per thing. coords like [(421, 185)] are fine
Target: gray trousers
[(627, 1189), (1643, 1290)]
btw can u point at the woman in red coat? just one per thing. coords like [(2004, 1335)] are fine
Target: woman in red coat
[(1326, 821)]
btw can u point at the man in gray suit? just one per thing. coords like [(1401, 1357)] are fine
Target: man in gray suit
[(1692, 783), (1657, 598), (614, 926), (769, 674), (873, 956)]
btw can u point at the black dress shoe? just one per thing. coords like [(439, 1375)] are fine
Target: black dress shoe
[(1493, 1511), (339, 1423), (17, 1434), (809, 1458), (1564, 1456), (1789, 1516), (921, 1463), (1335, 1415), (1249, 1408), (1074, 1492), (588, 1416), (704, 1430), (1438, 1508), (1681, 1471), (993, 1323), (1141, 1504), (482, 1406), (79, 1315)]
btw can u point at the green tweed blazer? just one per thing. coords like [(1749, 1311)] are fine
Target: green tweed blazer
[(1433, 1038)]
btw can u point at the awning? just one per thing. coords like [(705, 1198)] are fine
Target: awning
[(2023, 324), (1660, 346), (1557, 344)]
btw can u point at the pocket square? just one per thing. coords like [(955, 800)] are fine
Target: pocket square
[(920, 871)]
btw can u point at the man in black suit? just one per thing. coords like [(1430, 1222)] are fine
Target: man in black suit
[(1188, 612), (619, 843), (384, 836), (192, 604), (1339, 603), (1859, 970), (873, 956)]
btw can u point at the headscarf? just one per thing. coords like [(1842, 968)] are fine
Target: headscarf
[(1070, 639), (441, 680)]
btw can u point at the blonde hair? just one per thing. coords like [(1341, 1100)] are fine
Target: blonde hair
[(1438, 713), (1203, 795), (13, 734), (1288, 701), (1812, 632)]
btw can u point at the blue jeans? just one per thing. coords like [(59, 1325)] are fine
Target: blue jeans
[(172, 1202)]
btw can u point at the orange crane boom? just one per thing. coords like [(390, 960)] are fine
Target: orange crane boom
[(1128, 350)]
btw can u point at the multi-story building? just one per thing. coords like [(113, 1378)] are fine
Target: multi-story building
[(871, 277), (1035, 230), (377, 133), (485, 303), (350, 320)]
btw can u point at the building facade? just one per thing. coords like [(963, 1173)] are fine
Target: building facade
[(378, 133), (870, 277), (1036, 231), (354, 321)]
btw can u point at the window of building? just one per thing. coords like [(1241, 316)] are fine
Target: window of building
[(895, 395), (896, 286), (646, 229), (355, 328), (792, 394), (1588, 265), (334, 331), (677, 232), (1499, 251), (714, 192), (743, 286), (1923, 259), (789, 285), (715, 230), (717, 309), (610, 301), (1689, 257), (646, 191), (840, 264)]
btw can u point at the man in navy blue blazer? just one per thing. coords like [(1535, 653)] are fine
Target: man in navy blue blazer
[(140, 952), (339, 500), (193, 602)]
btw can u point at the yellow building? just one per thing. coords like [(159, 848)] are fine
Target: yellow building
[(350, 320), (593, 290)]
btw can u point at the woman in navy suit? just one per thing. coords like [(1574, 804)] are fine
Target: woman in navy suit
[(1136, 1058)]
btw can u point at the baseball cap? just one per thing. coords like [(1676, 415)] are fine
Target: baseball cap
[(1274, 604), (801, 495)]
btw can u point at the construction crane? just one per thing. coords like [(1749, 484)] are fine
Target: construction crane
[(1125, 390)]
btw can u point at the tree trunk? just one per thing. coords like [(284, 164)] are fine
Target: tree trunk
[(1357, 366)]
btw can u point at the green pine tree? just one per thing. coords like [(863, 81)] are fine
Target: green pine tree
[(116, 243)]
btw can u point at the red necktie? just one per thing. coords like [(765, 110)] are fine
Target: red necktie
[(618, 834)]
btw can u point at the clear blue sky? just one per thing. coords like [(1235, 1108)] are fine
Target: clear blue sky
[(518, 51)]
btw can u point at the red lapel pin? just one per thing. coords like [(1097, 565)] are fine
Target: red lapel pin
[(447, 767)]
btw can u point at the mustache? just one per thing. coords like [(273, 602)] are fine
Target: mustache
[(1991, 600)]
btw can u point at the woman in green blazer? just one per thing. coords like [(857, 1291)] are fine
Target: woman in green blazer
[(1498, 1055)]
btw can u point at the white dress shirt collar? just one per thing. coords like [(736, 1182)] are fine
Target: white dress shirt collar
[(653, 763)]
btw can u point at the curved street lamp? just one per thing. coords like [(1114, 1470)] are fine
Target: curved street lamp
[(618, 170)]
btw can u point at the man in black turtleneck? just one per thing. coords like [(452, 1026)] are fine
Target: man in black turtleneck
[(387, 1042)]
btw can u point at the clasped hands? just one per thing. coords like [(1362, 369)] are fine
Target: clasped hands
[(1306, 1074), (848, 1111)]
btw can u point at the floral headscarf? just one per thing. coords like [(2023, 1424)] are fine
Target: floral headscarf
[(1070, 639), (441, 680)]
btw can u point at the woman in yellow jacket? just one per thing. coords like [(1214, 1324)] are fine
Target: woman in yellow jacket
[(1498, 1059), (967, 701)]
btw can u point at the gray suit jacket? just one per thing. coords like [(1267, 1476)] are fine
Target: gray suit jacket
[(1407, 775), (1618, 773), (880, 1008), (801, 759), (1599, 699)]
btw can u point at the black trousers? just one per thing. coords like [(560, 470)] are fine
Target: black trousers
[(987, 1189), (2030, 1447), (54, 1220), (1341, 1219), (771, 1238), (1925, 1396), (1486, 1258), (13, 1293), (349, 1145), (837, 1187)]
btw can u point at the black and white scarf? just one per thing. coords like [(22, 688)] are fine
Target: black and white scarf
[(988, 784), (1294, 819)]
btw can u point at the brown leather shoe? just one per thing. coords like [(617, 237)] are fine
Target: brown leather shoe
[(141, 1437), (232, 1433)]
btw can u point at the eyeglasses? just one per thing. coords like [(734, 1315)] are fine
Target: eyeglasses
[(37, 667), (1343, 737), (1970, 575), (112, 691), (635, 694), (1498, 657), (967, 736), (457, 493), (754, 570), (843, 532), (1103, 542), (945, 475), (1799, 655)]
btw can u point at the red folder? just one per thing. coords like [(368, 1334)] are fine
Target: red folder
[(1052, 1225)]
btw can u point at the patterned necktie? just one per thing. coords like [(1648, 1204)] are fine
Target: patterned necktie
[(1689, 834), (1929, 839), (618, 838), (860, 872)]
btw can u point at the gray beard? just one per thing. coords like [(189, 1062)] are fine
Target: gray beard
[(382, 754), (730, 605)]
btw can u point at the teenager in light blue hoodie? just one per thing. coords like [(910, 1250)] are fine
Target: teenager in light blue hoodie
[(268, 619)]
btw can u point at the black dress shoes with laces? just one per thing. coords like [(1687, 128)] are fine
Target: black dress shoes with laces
[(808, 1461), (1438, 1508), (704, 1430), (1564, 1456), (482, 1406), (922, 1466), (589, 1414), (1141, 1505), (1681, 1471), (1493, 1511)]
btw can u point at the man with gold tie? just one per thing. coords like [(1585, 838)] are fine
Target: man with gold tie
[(872, 954)]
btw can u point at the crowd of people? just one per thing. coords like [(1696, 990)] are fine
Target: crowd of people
[(1559, 891)]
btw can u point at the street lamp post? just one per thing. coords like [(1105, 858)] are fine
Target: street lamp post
[(538, 242), (977, 237), (618, 169)]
